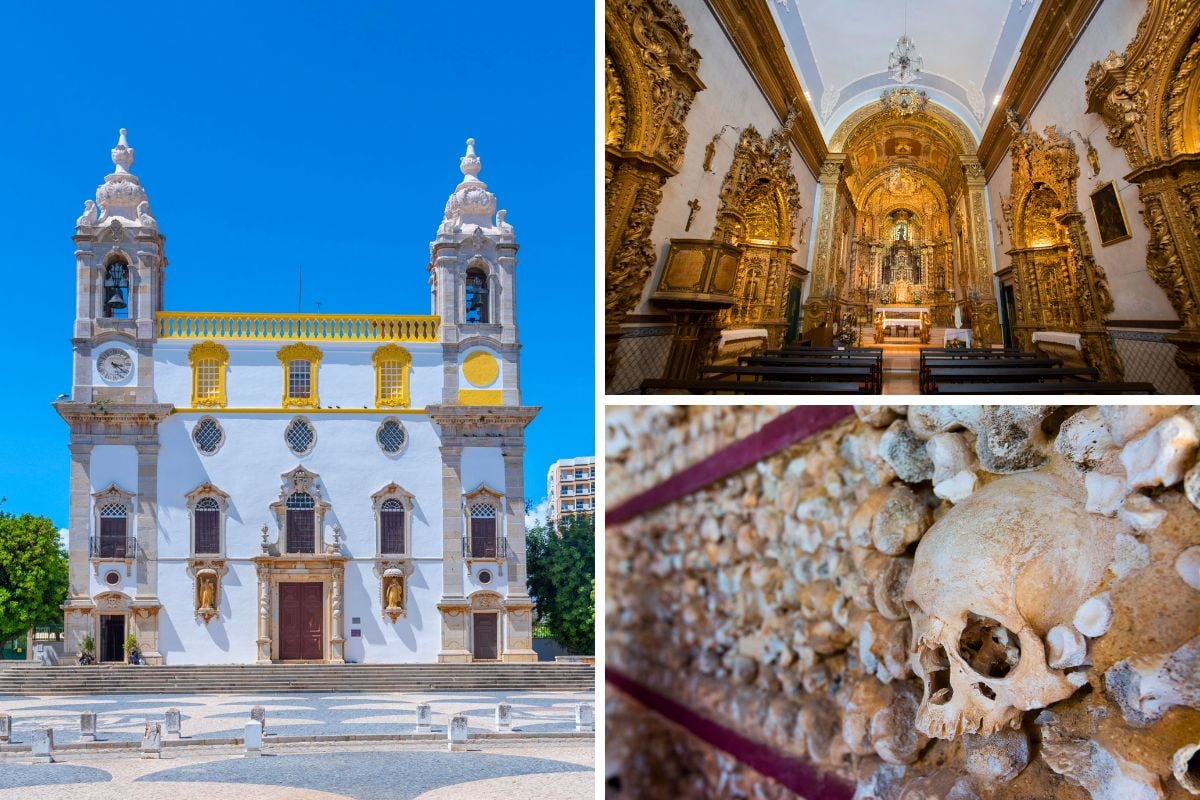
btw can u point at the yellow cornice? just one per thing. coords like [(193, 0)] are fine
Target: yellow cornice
[(306, 411), (753, 32), (1053, 34)]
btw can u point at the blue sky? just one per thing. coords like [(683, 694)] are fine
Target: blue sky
[(270, 135)]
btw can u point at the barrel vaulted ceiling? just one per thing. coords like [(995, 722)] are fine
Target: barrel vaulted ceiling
[(840, 51)]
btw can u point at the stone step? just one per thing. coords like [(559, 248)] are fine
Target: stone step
[(26, 678)]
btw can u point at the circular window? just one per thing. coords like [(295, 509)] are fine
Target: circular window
[(112, 578), (485, 576), (300, 436), (391, 437), (208, 435)]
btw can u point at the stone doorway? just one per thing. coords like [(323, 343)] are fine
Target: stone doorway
[(485, 636), (301, 614), (112, 638)]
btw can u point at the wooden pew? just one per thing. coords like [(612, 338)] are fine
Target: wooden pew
[(864, 374), (745, 387), (940, 377), (1062, 387)]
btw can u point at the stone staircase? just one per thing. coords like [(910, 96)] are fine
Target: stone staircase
[(32, 679)]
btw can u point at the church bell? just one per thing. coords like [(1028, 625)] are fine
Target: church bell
[(115, 300)]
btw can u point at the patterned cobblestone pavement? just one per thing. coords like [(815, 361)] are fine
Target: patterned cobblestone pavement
[(498, 770)]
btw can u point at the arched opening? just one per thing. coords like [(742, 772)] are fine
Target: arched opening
[(116, 290), (908, 188), (476, 304)]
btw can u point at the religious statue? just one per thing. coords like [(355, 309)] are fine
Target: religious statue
[(1014, 122), (710, 150), (395, 594), (500, 223), (144, 217), (879, 334), (208, 592), (694, 205), (88, 217)]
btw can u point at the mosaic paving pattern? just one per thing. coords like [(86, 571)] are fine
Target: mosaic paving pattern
[(498, 770)]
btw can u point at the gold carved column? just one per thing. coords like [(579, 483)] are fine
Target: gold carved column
[(651, 78), (1149, 97), (985, 317), (816, 310)]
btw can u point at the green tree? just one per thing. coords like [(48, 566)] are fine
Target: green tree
[(33, 574), (562, 580)]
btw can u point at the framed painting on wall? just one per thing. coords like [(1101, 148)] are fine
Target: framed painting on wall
[(1110, 215)]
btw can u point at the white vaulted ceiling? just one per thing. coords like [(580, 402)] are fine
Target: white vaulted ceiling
[(840, 48)]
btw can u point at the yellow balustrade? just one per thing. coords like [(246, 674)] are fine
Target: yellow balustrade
[(298, 327)]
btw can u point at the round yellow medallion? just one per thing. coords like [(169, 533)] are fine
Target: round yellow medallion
[(481, 368)]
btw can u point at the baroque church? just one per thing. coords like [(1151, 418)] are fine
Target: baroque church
[(260, 487), (1017, 179)]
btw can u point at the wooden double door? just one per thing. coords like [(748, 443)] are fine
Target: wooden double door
[(301, 621)]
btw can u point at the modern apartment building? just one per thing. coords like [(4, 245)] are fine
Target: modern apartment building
[(571, 486)]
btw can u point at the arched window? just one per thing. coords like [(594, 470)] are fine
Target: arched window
[(207, 505), (483, 530), (209, 361), (391, 528), (301, 523), (393, 512), (391, 376), (207, 526), (116, 291), (114, 530), (476, 297)]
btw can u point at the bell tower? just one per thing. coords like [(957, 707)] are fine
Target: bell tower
[(472, 280), (119, 275), (119, 266)]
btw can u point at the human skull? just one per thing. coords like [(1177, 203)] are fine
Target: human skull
[(989, 581)]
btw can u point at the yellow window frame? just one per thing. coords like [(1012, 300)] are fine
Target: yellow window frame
[(391, 354), (300, 352), (197, 357)]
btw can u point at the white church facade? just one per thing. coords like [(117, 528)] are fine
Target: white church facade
[(296, 487)]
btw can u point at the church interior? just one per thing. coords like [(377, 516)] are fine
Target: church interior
[(911, 197)]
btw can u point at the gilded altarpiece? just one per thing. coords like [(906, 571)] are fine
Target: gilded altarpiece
[(875, 152), (1149, 97), (759, 203), (1058, 284), (651, 77)]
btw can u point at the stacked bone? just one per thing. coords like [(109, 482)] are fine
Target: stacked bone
[(648, 444), (933, 602)]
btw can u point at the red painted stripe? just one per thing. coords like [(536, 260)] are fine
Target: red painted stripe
[(788, 428), (799, 776)]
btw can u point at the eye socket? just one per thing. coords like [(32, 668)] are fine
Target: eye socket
[(989, 648)]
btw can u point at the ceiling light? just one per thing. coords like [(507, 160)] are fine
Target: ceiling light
[(905, 62)]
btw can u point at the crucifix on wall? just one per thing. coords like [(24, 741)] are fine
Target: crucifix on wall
[(694, 205)]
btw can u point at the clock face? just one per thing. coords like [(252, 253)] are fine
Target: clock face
[(114, 365)]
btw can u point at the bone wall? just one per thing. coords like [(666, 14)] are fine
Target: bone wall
[(925, 602)]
